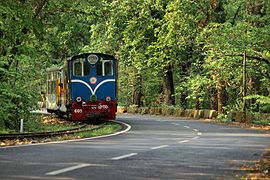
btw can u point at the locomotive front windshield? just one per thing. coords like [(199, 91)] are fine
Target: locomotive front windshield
[(81, 68), (102, 67)]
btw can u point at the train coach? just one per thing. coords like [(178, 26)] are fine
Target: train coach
[(84, 88)]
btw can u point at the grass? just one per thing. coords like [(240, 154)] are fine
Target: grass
[(265, 122), (39, 123), (35, 125), (108, 128)]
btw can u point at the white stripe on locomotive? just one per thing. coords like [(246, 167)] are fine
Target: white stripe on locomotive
[(89, 87)]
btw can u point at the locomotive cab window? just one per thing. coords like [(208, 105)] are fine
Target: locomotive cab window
[(99, 68), (80, 67), (108, 70), (104, 68)]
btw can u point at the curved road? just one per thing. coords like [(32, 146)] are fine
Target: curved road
[(154, 148)]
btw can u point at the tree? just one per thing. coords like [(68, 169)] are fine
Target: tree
[(226, 43)]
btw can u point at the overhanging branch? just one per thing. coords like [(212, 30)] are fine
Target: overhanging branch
[(251, 57)]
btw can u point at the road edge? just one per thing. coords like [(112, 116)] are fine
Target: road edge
[(128, 127)]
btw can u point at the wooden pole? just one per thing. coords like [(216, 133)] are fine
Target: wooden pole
[(244, 81)]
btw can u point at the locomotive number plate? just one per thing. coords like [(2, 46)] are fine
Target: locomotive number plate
[(103, 107), (77, 110)]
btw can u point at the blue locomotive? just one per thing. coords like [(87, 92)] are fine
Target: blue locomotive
[(84, 88)]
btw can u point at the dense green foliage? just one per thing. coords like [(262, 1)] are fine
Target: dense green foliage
[(171, 52)]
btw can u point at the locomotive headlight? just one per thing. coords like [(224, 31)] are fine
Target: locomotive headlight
[(78, 99), (92, 59), (108, 98)]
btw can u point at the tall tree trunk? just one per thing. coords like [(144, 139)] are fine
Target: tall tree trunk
[(220, 100), (213, 99), (183, 100), (168, 86), (221, 96), (184, 72), (137, 92), (198, 103), (255, 88)]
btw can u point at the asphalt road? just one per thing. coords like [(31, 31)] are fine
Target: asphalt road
[(154, 148)]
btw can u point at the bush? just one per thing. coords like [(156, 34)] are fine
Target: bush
[(16, 103), (223, 118), (265, 122)]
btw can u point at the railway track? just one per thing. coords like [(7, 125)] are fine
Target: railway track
[(82, 128)]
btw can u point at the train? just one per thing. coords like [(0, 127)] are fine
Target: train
[(84, 88)]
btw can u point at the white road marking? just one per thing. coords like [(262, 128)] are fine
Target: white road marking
[(187, 127), (184, 141), (124, 156), (67, 169), (196, 137), (195, 130), (175, 124), (199, 133), (159, 147)]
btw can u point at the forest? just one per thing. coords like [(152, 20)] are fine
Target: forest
[(190, 54)]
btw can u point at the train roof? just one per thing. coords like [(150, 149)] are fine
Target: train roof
[(84, 55), (55, 68)]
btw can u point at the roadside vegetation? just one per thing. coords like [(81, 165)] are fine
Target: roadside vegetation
[(51, 123), (101, 129), (256, 119), (261, 170), (39, 123), (107, 128)]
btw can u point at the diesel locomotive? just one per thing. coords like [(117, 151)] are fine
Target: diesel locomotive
[(84, 88)]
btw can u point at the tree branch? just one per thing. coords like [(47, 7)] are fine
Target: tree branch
[(39, 6), (251, 57), (235, 15)]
